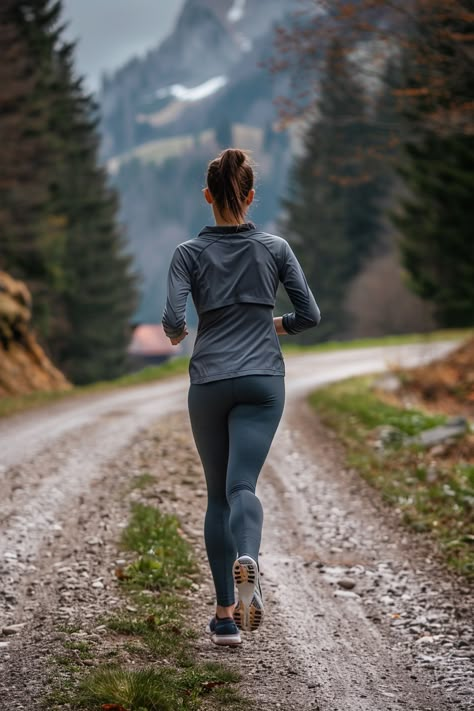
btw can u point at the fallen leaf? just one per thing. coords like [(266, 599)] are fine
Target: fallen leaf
[(119, 573), (112, 707)]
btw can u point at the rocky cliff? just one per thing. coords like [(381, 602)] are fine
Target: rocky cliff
[(24, 367)]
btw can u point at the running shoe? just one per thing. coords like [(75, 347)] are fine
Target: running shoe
[(248, 613), (224, 631)]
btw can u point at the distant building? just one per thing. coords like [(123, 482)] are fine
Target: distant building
[(150, 346)]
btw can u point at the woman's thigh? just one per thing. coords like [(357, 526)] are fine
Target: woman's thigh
[(253, 421), (209, 406)]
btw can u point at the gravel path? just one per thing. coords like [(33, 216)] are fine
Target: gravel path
[(360, 615)]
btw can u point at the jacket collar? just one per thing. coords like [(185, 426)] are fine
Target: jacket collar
[(227, 229)]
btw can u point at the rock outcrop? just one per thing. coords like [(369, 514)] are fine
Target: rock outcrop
[(24, 367)]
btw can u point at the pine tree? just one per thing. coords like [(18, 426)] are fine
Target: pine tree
[(99, 294), (24, 158), (83, 270), (437, 167), (436, 224), (332, 212)]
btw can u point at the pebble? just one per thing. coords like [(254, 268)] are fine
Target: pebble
[(426, 639), (346, 583), (13, 629), (346, 594)]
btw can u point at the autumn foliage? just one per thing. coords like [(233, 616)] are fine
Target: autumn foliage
[(434, 38)]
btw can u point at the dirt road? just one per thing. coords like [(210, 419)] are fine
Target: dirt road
[(362, 617)]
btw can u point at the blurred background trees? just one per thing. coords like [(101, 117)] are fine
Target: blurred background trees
[(398, 144), (58, 215)]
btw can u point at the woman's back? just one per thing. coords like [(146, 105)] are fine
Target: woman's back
[(233, 275)]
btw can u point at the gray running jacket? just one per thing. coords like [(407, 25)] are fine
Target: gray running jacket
[(233, 273)]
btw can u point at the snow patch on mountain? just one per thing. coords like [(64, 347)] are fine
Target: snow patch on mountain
[(244, 43), (195, 93), (237, 11)]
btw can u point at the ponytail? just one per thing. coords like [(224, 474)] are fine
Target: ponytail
[(230, 178)]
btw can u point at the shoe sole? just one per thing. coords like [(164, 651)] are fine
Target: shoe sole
[(229, 640), (248, 614)]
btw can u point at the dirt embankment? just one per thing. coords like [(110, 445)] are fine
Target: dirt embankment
[(24, 367), (447, 385)]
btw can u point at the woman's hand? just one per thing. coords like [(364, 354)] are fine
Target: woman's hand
[(278, 323), (178, 339)]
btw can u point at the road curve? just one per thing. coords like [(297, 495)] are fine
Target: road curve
[(23, 435)]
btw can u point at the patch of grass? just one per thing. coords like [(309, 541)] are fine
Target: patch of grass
[(163, 689), (83, 649), (68, 629), (165, 676), (434, 496), (69, 662), (354, 398), (165, 560), (157, 626), (399, 340), (142, 481)]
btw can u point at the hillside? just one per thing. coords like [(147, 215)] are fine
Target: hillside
[(195, 79)]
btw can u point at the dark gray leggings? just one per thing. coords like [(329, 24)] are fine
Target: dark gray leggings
[(234, 422)]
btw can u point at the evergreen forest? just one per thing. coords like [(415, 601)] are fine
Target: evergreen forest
[(58, 216)]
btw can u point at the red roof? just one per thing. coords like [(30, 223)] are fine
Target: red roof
[(151, 340)]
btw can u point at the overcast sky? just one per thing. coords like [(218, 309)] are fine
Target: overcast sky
[(111, 31)]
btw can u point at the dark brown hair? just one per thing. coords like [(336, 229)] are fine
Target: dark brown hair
[(230, 179)]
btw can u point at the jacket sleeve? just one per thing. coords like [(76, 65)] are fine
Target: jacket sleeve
[(178, 288), (306, 314)]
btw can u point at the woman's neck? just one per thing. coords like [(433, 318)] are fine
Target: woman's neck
[(222, 222)]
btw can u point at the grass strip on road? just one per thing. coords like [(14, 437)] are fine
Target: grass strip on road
[(434, 494), (163, 673)]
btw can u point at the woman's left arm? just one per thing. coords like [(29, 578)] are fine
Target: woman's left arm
[(178, 288)]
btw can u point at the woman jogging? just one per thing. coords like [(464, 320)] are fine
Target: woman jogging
[(237, 391)]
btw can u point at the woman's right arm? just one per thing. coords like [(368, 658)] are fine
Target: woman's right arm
[(178, 288), (306, 312)]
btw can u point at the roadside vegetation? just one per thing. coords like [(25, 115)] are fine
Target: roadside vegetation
[(398, 340), (433, 489), (161, 672), (179, 366)]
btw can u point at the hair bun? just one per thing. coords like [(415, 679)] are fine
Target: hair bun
[(233, 156)]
